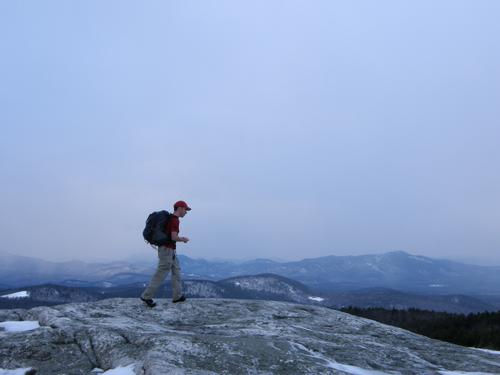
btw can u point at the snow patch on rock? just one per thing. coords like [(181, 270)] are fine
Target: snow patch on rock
[(488, 351), (317, 299), (128, 370), (16, 326), (330, 363), (17, 371), (21, 294), (464, 373)]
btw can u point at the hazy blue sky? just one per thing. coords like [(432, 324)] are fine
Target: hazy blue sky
[(293, 128)]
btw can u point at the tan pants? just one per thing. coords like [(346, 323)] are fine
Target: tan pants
[(167, 261)]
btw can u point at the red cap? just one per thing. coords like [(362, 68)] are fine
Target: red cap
[(181, 204)]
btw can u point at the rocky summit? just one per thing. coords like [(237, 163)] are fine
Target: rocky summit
[(220, 336)]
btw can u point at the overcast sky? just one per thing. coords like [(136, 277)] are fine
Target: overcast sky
[(294, 129)]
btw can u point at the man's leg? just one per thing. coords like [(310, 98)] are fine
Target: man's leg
[(164, 265), (176, 279)]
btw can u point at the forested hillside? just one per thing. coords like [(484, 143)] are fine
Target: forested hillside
[(480, 330)]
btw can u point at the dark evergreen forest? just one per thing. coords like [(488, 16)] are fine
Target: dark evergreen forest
[(481, 330)]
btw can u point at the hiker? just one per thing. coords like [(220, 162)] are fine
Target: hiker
[(167, 259)]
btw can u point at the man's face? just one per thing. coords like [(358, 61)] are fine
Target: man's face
[(182, 211)]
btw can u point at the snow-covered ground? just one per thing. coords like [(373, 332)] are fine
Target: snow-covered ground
[(22, 294), (127, 370), (488, 351), (318, 299), (17, 371), (354, 370), (464, 373), (16, 326)]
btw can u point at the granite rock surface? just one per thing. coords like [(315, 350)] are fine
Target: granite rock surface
[(222, 336)]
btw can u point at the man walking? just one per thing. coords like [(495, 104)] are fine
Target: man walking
[(167, 259)]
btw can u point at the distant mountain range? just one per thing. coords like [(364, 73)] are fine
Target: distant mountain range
[(265, 287), (394, 270), (262, 287)]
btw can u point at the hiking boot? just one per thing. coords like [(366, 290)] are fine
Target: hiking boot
[(148, 302), (180, 299)]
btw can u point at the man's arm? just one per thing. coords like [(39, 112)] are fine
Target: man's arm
[(175, 237)]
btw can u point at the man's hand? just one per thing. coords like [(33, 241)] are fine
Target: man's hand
[(175, 237)]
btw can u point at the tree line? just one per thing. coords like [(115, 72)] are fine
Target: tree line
[(480, 330)]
